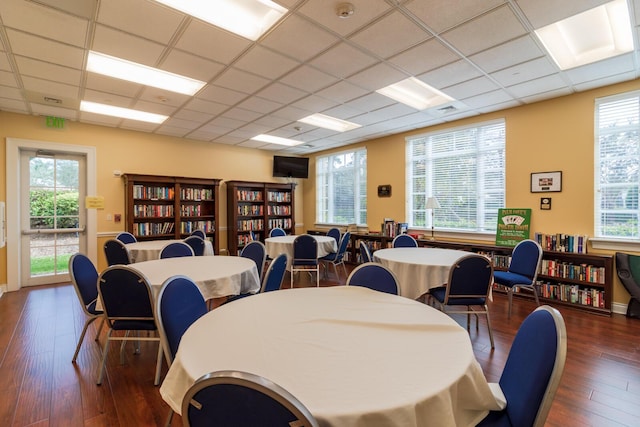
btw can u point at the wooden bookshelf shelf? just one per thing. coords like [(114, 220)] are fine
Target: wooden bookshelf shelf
[(168, 207)]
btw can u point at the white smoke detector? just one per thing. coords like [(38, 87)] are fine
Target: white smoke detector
[(344, 10)]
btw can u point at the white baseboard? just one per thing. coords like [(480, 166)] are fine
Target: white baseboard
[(619, 308), (3, 289)]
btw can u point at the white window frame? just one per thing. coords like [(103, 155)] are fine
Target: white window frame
[(482, 215), (325, 214), (606, 237)]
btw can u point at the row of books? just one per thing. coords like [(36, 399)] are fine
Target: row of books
[(561, 242), (567, 270), (187, 227), (153, 193), (243, 239), (571, 293), (253, 210), (285, 223), (148, 211), (191, 210), (197, 194), (279, 210), (279, 196), (390, 228), (152, 228), (249, 195), (250, 224)]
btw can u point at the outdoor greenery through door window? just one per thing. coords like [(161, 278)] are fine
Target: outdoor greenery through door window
[(617, 153), (341, 188), (464, 168)]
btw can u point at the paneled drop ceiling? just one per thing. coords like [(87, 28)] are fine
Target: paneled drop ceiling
[(483, 54)]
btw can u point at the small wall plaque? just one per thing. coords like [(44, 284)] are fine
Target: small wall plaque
[(384, 190), (545, 203)]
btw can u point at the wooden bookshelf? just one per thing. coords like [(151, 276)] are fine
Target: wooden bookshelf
[(257, 207), (588, 278), (168, 207)]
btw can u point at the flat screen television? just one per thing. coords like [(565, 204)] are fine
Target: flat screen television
[(290, 167)]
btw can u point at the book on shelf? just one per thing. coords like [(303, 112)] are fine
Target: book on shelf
[(561, 242)]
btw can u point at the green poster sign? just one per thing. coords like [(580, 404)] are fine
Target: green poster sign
[(513, 226)]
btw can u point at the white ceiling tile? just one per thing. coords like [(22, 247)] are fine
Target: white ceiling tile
[(369, 102), (605, 81), (450, 74), (425, 57), (470, 88), (545, 12), (539, 86), (127, 15), (205, 107), (50, 88), (480, 33), (173, 99), (107, 85), (11, 92), (308, 79), (342, 92), (154, 107), (47, 110), (488, 99), (45, 50), (242, 115), (343, 60), (259, 105), (516, 51), (100, 119), (241, 81), (326, 14), (44, 21), (126, 46), (221, 95), (614, 66), (291, 113), (108, 98), (172, 131), (188, 65), (313, 103), (4, 62), (440, 15), (14, 105), (139, 126), (7, 79), (308, 42), (45, 70), (282, 94), (383, 38), (193, 116), (185, 125), (526, 71), (272, 122), (211, 42), (542, 96), (378, 76), (265, 62)]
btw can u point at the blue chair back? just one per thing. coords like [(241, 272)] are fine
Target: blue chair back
[(275, 274), (525, 259), (335, 233), (255, 250), (116, 252), (365, 253), (533, 369), (197, 244), (84, 277), (342, 247), (374, 276), (126, 237), (199, 233), (305, 250), (175, 250), (179, 304), (234, 398), (469, 281), (276, 232), (404, 241), (126, 298)]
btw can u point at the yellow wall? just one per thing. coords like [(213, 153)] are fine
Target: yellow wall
[(554, 135), (137, 152)]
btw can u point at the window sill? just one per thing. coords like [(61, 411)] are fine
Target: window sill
[(610, 244)]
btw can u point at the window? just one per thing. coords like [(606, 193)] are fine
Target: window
[(464, 168), (617, 160), (341, 188)]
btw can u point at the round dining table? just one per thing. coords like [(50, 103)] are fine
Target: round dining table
[(351, 355), (215, 276), (419, 269), (147, 250), (284, 244)]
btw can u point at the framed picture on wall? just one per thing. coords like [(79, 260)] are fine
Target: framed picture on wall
[(546, 182)]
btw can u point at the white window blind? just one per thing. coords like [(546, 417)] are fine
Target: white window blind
[(464, 168), (341, 188), (617, 153)]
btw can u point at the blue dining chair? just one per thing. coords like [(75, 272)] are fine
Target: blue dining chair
[(199, 233), (404, 241), (255, 251), (337, 258), (175, 250), (84, 277), (374, 276), (235, 398), (197, 243), (365, 253), (305, 257), (335, 233), (273, 278), (277, 232), (532, 372), (126, 237), (116, 252)]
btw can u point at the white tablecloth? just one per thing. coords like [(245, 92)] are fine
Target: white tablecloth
[(353, 356), (216, 276), (150, 249), (284, 244), (419, 269)]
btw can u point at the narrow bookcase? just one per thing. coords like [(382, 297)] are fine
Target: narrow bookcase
[(169, 207), (577, 280), (257, 207)]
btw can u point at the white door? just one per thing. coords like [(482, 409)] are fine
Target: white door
[(53, 217)]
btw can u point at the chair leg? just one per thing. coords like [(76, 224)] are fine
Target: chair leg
[(104, 358), (158, 364), (335, 270), (535, 295), (510, 295), (169, 418), (486, 310), (100, 329), (84, 331)]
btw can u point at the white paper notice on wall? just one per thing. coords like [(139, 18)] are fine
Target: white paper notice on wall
[(3, 228)]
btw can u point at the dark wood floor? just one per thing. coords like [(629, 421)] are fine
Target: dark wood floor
[(41, 387)]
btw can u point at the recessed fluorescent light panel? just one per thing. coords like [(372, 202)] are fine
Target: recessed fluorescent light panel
[(593, 35), (328, 122), (276, 140), (246, 18), (138, 73), (415, 93), (125, 113)]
